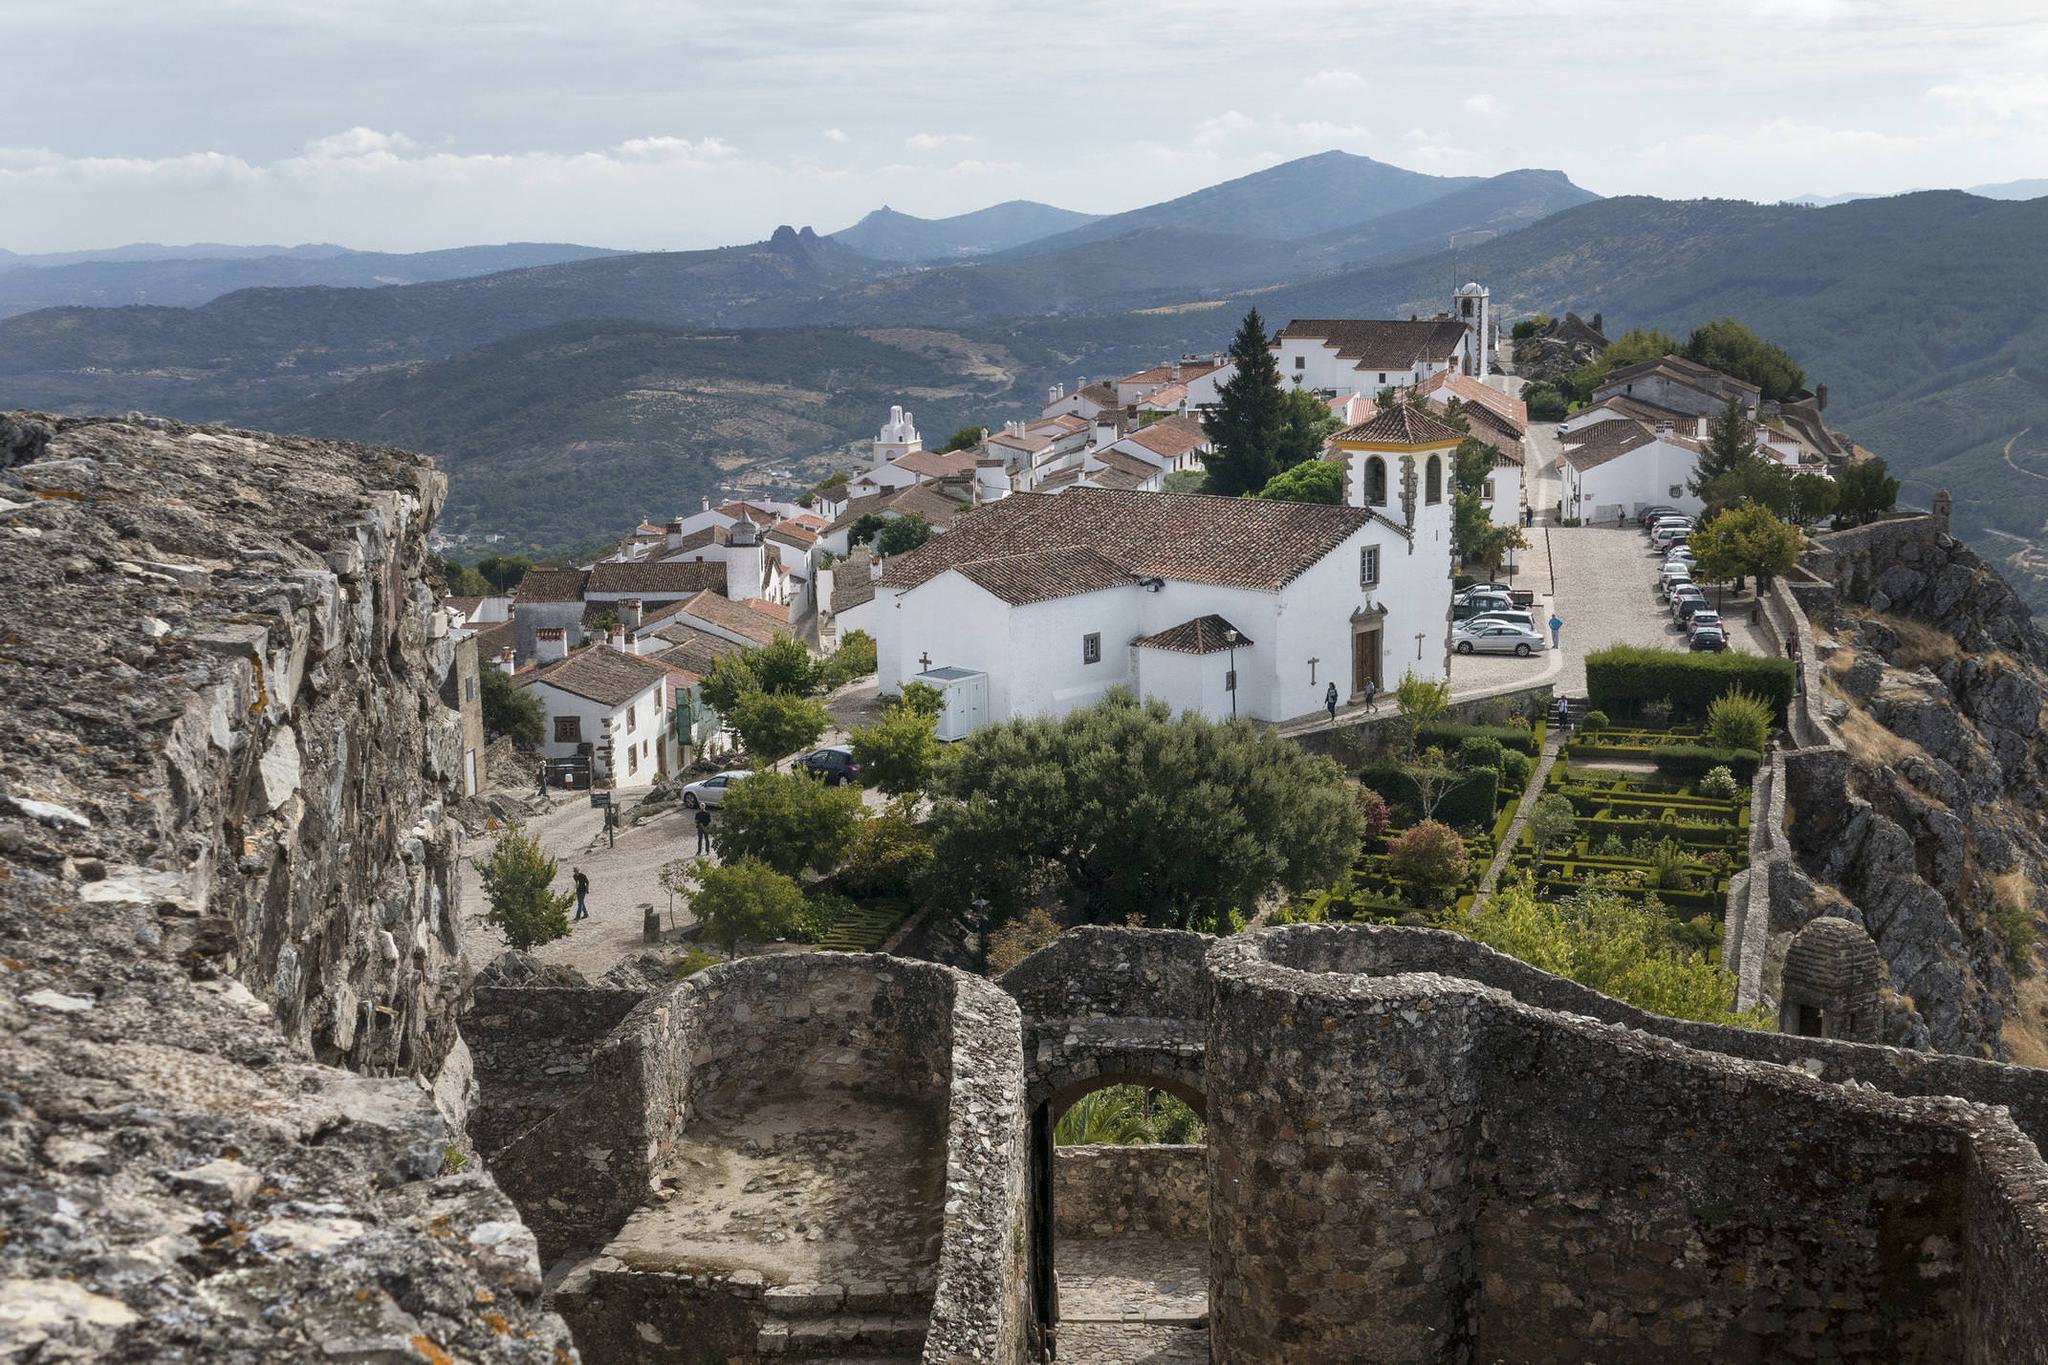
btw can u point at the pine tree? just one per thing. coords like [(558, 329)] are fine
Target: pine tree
[(1250, 416), (1731, 446)]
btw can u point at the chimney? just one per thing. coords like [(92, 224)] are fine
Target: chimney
[(706, 504), (618, 637), (1175, 372), (743, 562), (675, 533), (552, 644), (874, 568), (631, 611), (508, 660), (1596, 325), (1820, 397)]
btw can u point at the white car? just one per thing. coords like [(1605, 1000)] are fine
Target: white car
[(1466, 638), (1679, 553), (711, 791)]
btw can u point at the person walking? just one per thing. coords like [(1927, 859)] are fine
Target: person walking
[(582, 891), (1529, 514), (1330, 701), (1372, 695), (543, 778), (1556, 625), (703, 829)]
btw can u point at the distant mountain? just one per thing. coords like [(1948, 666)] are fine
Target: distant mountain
[(887, 235), (2012, 189), (116, 280), (157, 251), (1297, 199), (1460, 219)]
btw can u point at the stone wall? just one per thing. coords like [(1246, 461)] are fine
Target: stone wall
[(1410, 1164), (531, 1047), (223, 862), (1143, 1189), (1356, 740)]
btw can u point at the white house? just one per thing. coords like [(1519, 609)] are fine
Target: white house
[(618, 704), (1222, 605), (1615, 468), (1084, 400), (1134, 391), (1680, 385), (1176, 445), (1344, 356)]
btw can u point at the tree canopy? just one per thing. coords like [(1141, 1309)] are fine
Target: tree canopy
[(791, 822), (1734, 349), (900, 535), (1867, 491), (510, 710), (1310, 481), (1129, 813), (746, 901), (1745, 540), (774, 725), (1249, 420), (1630, 348), (964, 439), (898, 752), (518, 881)]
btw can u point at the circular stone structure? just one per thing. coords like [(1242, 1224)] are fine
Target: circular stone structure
[(1830, 983)]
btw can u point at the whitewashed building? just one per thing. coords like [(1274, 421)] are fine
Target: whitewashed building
[(1345, 356), (616, 703), (1614, 469), (1220, 605)]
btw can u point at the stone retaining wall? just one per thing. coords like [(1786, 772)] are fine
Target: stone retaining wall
[(1465, 1172), (1144, 1189), (531, 1047), (1355, 739)]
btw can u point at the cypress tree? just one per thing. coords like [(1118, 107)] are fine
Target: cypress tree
[(1248, 423)]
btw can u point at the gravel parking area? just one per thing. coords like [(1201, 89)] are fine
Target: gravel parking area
[(1606, 594)]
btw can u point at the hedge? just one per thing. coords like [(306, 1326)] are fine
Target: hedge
[(1469, 804), (1674, 760), (1449, 734), (1623, 677)]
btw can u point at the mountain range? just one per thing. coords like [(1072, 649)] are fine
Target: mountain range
[(887, 235), (571, 397)]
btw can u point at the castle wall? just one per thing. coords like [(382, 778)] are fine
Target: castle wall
[(531, 1047), (1143, 1189)]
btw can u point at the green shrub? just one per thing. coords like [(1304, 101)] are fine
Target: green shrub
[(1668, 871), (1468, 802), (1697, 760), (1479, 751), (1450, 735), (1515, 767), (746, 901), (1431, 859), (1633, 678), (888, 855), (693, 962), (1719, 783), (822, 910), (855, 658), (791, 822), (1593, 722), (1656, 711), (518, 881), (1738, 720)]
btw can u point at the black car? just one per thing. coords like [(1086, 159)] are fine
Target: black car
[(1688, 605), (1650, 514), (1710, 639), (832, 765)]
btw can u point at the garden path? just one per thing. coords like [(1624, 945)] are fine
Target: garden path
[(1538, 778)]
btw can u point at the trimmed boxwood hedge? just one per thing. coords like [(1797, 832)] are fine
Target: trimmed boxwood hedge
[(1470, 803), (1449, 734), (1621, 678), (1674, 760)]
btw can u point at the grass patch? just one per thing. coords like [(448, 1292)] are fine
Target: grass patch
[(1919, 643)]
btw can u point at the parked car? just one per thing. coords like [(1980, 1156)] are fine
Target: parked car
[(1688, 606), (1524, 619), (1681, 596), (711, 791), (1495, 587), (1671, 577), (1704, 619), (1668, 539), (1679, 552), (1468, 639), (832, 764), (1481, 606), (1712, 639), (1650, 514), (1669, 520)]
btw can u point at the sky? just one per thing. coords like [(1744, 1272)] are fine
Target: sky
[(645, 125)]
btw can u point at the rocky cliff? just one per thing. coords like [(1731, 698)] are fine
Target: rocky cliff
[(1931, 819), (231, 1086)]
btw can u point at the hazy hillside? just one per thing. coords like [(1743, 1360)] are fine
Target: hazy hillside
[(158, 251), (576, 432), (30, 282), (1297, 199), (1462, 218), (887, 235)]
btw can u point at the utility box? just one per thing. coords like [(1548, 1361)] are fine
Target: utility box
[(966, 700)]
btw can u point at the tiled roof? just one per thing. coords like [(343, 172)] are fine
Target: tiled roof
[(803, 537), (493, 639), (1377, 344), (1123, 462), (1066, 423), (1203, 635), (1165, 397), (1604, 441), (1192, 537), (1163, 374), (1042, 575), (461, 606), (1027, 442), (702, 538), (692, 649), (1400, 424), (932, 464), (1686, 371), (856, 508), (600, 673), (666, 578), (1101, 394), (735, 617), (1171, 438), (851, 583), (551, 585), (931, 502), (1476, 394)]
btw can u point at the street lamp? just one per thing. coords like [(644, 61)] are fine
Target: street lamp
[(1230, 638)]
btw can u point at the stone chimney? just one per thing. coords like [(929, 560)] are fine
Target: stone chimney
[(1597, 326), (743, 561), (1820, 397), (1175, 372), (508, 660), (551, 643), (674, 537), (631, 611), (1944, 507), (874, 568), (618, 637)]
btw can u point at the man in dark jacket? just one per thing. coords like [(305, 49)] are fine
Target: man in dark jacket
[(703, 829), (582, 890)]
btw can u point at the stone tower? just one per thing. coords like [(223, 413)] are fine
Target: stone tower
[(898, 437), (1829, 990), (1473, 306)]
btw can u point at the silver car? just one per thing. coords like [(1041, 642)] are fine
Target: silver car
[(1526, 620), (711, 791), (1468, 638)]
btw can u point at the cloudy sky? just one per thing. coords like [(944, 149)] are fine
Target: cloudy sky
[(677, 123)]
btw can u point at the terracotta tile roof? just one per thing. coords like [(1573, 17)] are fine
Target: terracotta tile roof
[(803, 537), (1689, 372), (600, 673), (664, 578), (931, 502), (691, 648), (727, 614), (1041, 575), (494, 639), (1476, 394), (856, 508), (1101, 394), (700, 539), (1165, 397), (1123, 462), (1377, 344), (461, 606), (551, 585), (809, 519), (1163, 374), (1602, 442), (760, 516), (851, 583), (1203, 635), (1400, 424), (1192, 537), (1171, 438), (1067, 423), (1027, 442), (931, 464)]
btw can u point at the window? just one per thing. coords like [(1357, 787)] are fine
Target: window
[(1383, 376), (568, 729), (632, 717), (1369, 566), (632, 760), (469, 689), (1376, 482), (1433, 482), (1301, 362), (1091, 649)]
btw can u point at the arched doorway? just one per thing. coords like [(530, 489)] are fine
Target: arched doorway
[(1120, 1216)]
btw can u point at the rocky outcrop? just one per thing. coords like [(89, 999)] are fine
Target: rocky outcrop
[(1936, 675), (231, 1085)]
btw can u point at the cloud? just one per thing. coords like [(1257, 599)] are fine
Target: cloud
[(837, 135), (358, 141), (931, 142), (2001, 95), (972, 167), (1479, 104), (1331, 80)]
